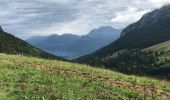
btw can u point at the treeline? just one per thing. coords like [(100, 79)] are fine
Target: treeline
[(137, 62), (12, 45)]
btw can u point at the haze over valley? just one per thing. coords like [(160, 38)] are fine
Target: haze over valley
[(85, 50), (72, 46)]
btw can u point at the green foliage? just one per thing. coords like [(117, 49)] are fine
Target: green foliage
[(138, 62), (37, 79), (144, 34), (12, 45)]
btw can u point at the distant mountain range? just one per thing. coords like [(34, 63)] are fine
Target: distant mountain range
[(141, 48), (12, 45), (73, 46), (128, 54)]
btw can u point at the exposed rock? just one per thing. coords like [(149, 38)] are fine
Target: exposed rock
[(149, 19)]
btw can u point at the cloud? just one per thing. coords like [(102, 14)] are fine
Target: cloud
[(25, 18), (159, 3), (124, 18), (75, 26), (135, 11)]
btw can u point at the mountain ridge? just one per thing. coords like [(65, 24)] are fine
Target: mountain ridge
[(126, 54), (132, 38), (75, 46)]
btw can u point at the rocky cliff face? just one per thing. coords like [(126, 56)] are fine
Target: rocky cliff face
[(151, 29), (149, 19)]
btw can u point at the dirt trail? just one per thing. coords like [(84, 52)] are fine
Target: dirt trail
[(150, 89), (145, 89)]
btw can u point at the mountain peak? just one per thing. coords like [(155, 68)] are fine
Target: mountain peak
[(71, 46), (149, 19), (151, 29), (106, 27), (53, 35), (103, 31)]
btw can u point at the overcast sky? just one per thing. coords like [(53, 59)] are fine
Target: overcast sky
[(25, 18)]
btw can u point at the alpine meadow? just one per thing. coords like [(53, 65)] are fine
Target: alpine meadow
[(85, 50)]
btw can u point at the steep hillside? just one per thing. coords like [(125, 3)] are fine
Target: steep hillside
[(13, 45), (126, 53), (72, 46), (161, 47), (165, 46), (35, 79), (153, 28)]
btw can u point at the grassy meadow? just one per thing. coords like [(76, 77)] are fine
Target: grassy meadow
[(29, 78)]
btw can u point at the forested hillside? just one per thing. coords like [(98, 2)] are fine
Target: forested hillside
[(127, 55), (13, 45)]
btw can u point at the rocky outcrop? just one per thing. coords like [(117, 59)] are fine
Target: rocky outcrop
[(149, 19)]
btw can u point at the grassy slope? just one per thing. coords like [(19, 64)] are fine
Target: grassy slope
[(32, 78), (165, 46)]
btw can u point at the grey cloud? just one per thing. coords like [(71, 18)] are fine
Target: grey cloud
[(33, 12), (24, 18)]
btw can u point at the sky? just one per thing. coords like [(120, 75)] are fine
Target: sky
[(26, 18)]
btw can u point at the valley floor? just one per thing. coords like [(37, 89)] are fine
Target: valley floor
[(32, 78)]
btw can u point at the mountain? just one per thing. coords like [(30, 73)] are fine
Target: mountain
[(13, 45), (36, 39), (95, 40), (57, 44), (106, 31), (72, 46), (151, 29)]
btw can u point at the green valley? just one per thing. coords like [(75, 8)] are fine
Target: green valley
[(45, 53)]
